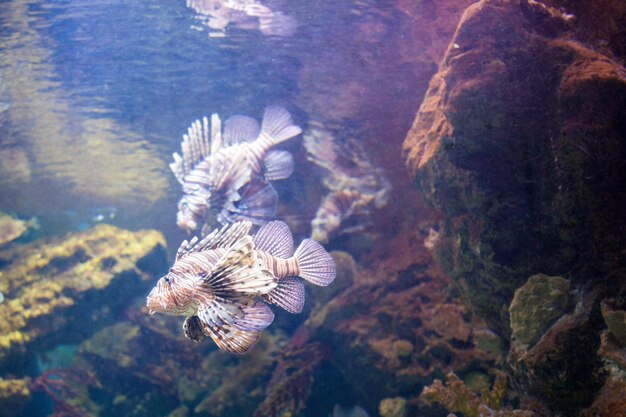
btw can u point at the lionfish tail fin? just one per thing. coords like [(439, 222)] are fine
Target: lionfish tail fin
[(277, 125), (288, 295), (315, 264)]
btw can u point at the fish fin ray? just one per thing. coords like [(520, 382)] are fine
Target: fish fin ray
[(234, 327), (257, 203), (219, 238), (239, 271), (288, 295), (274, 238), (277, 125), (278, 165), (195, 147), (240, 129), (315, 264)]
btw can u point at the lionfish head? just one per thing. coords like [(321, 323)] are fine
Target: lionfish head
[(169, 298)]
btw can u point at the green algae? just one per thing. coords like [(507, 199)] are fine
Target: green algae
[(536, 305), (43, 279)]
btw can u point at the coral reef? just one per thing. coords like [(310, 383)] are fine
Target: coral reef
[(536, 304), (14, 394), (455, 396), (392, 407), (12, 228), (519, 143), (49, 285)]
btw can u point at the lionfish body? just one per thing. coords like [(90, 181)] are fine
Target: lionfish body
[(226, 177), (221, 284)]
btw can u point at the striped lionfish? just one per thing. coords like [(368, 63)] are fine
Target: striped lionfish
[(223, 282), (225, 178)]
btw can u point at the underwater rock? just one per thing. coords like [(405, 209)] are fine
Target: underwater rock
[(544, 371), (612, 350), (50, 285), (392, 407), (519, 143), (615, 319), (14, 394), (12, 228), (398, 325), (455, 396), (536, 304), (610, 401)]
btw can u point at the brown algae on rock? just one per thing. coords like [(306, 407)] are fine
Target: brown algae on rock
[(47, 285), (615, 319), (536, 304)]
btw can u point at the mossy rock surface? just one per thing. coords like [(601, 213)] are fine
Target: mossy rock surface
[(536, 304), (64, 289)]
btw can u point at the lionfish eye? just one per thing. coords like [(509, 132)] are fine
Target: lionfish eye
[(167, 280)]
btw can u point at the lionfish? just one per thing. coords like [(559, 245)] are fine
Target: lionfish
[(225, 178), (221, 284)]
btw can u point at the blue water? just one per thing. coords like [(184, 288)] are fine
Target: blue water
[(96, 95), (148, 69)]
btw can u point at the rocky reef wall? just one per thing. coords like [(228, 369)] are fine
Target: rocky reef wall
[(520, 143)]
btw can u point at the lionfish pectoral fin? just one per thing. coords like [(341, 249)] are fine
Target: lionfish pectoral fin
[(234, 327), (257, 203), (278, 165), (235, 341), (315, 264), (274, 238), (238, 272), (240, 129), (192, 327), (288, 295), (277, 125)]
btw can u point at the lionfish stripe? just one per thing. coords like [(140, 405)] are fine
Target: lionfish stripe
[(238, 271), (288, 295), (240, 129), (315, 264), (277, 126), (235, 341), (256, 317), (278, 165), (274, 238)]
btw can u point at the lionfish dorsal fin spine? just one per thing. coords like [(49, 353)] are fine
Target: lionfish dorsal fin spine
[(218, 238), (196, 146), (216, 133), (274, 238)]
